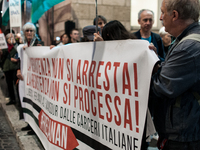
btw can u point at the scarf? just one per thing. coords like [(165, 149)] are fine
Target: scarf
[(10, 46)]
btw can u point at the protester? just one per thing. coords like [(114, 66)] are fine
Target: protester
[(176, 83), (146, 21), (166, 38), (30, 39), (101, 21), (88, 33), (74, 36), (64, 39), (113, 30), (9, 59)]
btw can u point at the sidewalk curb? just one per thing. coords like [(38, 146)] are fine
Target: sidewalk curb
[(26, 142)]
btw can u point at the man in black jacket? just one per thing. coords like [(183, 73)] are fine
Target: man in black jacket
[(146, 20)]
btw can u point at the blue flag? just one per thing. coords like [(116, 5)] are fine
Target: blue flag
[(39, 7)]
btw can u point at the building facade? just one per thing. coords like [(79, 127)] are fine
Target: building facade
[(82, 12)]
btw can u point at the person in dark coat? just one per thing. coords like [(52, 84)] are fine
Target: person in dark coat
[(146, 21), (9, 58), (176, 82)]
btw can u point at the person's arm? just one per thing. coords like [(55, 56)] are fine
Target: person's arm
[(19, 75), (13, 59), (176, 74)]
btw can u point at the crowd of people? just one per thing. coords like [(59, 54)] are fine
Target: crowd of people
[(174, 98)]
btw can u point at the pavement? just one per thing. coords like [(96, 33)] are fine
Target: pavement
[(8, 136)]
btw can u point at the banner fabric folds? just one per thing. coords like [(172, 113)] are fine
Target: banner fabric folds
[(39, 7), (87, 95)]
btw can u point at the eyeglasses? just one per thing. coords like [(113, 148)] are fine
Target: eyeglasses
[(29, 30), (100, 23)]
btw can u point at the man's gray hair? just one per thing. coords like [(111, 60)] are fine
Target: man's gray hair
[(139, 14), (187, 9)]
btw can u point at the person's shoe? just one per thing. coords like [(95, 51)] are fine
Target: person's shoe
[(31, 132), (11, 103), (26, 128)]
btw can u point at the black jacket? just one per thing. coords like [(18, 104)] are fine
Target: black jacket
[(157, 41)]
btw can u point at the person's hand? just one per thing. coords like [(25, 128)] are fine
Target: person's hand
[(13, 39), (152, 47), (97, 37), (155, 68), (39, 44), (24, 47), (13, 59), (19, 75), (52, 46)]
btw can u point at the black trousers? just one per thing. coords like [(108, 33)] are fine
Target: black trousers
[(173, 145), (10, 80)]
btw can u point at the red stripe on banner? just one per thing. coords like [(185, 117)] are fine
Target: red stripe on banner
[(135, 79), (137, 115), (57, 133)]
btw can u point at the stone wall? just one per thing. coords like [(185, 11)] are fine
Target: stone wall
[(83, 12)]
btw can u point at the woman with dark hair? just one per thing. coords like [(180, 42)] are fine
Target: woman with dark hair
[(64, 39), (114, 30)]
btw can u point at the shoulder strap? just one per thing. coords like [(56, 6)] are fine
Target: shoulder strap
[(193, 36)]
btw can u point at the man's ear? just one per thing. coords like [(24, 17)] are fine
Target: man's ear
[(175, 15), (138, 21)]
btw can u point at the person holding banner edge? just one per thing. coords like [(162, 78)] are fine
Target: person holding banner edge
[(114, 30), (30, 39), (176, 82)]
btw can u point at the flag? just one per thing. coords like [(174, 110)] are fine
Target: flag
[(39, 7), (5, 14)]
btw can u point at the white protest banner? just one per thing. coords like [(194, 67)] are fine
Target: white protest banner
[(88, 95), (15, 13), (3, 43)]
